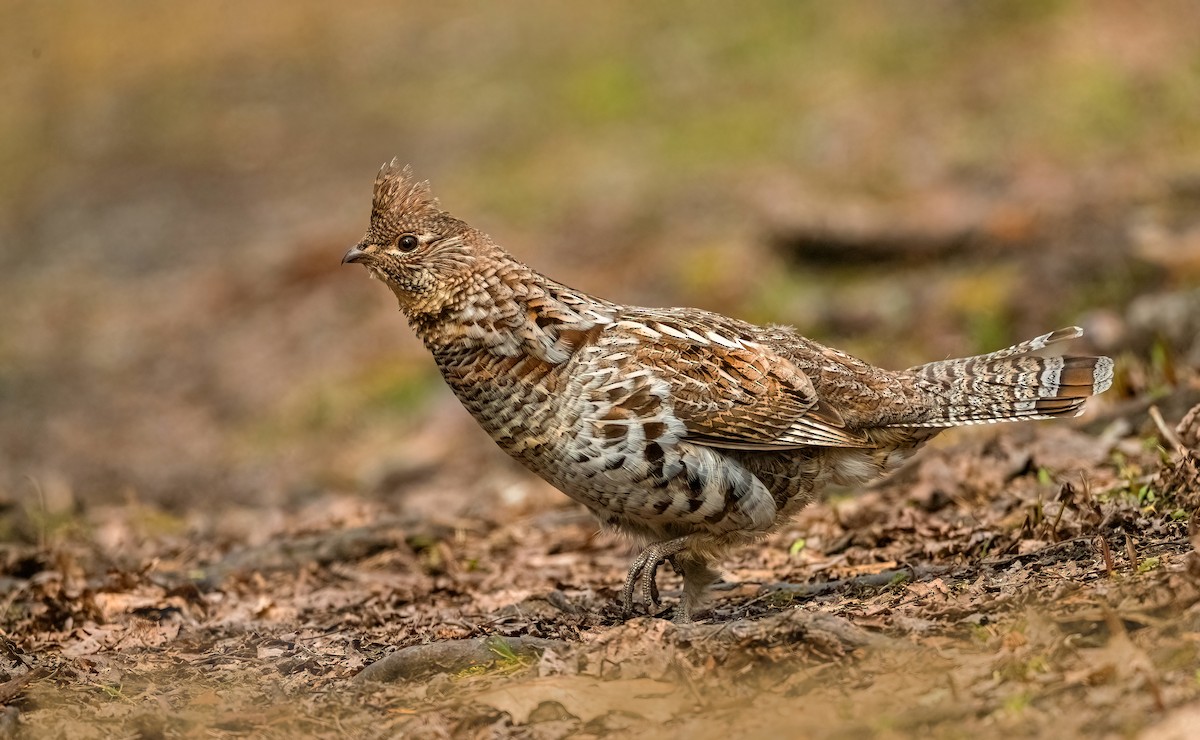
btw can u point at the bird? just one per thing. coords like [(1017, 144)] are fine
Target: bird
[(691, 432)]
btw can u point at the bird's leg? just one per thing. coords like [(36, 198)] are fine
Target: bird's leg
[(644, 570), (697, 577)]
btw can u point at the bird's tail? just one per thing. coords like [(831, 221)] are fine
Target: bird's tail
[(1011, 384)]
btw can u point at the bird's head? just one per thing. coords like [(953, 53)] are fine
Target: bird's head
[(425, 255)]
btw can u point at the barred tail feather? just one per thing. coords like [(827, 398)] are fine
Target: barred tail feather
[(1011, 384)]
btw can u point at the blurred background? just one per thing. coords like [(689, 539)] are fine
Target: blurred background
[(907, 181)]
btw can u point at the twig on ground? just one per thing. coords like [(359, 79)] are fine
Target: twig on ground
[(10, 690), (792, 625), (1168, 434), (882, 578), (1032, 554), (1106, 553)]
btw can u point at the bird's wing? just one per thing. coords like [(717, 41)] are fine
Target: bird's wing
[(728, 390)]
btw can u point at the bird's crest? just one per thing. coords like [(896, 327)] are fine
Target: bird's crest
[(397, 191)]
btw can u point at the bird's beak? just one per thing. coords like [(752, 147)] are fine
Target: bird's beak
[(355, 254)]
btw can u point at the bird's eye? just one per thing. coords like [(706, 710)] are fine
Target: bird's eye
[(407, 243)]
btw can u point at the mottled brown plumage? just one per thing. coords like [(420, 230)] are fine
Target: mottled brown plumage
[(690, 431)]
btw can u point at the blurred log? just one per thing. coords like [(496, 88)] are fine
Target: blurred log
[(454, 656), (833, 244), (809, 227), (324, 548), (626, 644), (337, 546)]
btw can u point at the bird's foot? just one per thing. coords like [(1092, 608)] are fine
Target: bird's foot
[(644, 570)]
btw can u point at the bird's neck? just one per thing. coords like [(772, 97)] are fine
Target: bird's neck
[(508, 312)]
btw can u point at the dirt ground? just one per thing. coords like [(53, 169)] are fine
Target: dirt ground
[(1009, 582), (237, 501)]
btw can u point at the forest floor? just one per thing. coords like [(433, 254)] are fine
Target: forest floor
[(345, 554), (199, 553), (1019, 580)]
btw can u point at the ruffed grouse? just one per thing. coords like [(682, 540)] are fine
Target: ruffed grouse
[(690, 431)]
